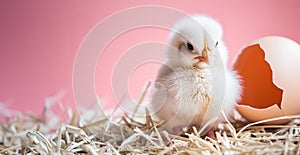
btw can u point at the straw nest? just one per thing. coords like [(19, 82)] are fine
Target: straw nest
[(28, 134)]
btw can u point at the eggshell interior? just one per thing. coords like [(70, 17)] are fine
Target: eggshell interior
[(270, 79)]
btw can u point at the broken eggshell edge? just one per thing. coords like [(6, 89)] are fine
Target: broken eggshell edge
[(286, 76)]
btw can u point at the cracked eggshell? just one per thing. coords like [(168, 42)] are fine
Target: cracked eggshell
[(270, 73)]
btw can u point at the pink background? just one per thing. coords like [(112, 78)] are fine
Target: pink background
[(39, 40)]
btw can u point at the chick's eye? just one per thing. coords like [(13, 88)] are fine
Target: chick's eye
[(216, 44), (189, 46)]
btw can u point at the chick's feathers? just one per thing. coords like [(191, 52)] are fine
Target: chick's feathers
[(186, 95)]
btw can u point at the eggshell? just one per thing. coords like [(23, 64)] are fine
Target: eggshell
[(270, 72)]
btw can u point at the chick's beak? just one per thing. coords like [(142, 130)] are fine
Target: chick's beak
[(204, 57)]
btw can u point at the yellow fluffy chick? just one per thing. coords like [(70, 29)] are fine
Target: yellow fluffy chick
[(194, 85)]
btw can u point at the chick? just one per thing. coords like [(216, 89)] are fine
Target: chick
[(193, 86)]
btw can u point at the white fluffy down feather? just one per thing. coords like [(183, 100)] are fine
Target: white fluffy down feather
[(194, 85)]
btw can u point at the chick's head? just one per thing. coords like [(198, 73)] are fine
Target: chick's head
[(196, 41)]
